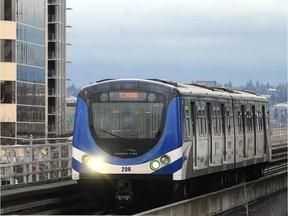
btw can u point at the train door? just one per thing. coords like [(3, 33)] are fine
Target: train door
[(265, 113), (239, 133), (217, 135), (187, 138), (249, 132), (230, 137), (202, 138), (260, 133)]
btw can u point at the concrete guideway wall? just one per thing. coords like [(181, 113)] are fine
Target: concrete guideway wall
[(227, 199)]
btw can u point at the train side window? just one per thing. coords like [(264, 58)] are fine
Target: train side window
[(199, 121), (187, 123), (193, 122), (249, 121), (267, 119), (240, 122), (202, 121), (260, 120), (214, 120), (229, 122), (217, 121)]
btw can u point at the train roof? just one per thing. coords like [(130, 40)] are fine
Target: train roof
[(203, 90), (194, 89)]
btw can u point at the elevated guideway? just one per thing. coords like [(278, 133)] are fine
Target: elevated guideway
[(34, 194), (240, 198)]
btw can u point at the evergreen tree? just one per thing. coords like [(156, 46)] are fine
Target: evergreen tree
[(250, 86), (228, 85)]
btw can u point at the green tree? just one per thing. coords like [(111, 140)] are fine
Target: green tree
[(228, 85), (250, 86)]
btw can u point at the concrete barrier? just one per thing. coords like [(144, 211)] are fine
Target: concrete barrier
[(218, 202)]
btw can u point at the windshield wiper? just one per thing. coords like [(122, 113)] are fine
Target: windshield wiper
[(107, 132), (114, 135)]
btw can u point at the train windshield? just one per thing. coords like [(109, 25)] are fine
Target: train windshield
[(127, 120)]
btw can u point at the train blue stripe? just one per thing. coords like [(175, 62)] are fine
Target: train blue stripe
[(76, 165), (172, 168)]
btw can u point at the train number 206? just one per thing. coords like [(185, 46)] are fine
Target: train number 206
[(126, 169)]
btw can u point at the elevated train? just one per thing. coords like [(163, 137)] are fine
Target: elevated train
[(168, 137)]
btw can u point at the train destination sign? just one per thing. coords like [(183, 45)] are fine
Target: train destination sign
[(127, 96)]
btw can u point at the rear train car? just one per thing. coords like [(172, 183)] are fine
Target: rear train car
[(136, 134)]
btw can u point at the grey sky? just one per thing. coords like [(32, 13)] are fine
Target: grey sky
[(184, 40)]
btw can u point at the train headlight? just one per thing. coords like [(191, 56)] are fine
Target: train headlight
[(160, 162), (155, 165), (92, 162), (165, 160)]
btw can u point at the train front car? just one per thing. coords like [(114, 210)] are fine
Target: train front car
[(127, 132)]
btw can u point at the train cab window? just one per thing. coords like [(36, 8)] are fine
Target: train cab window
[(121, 119)]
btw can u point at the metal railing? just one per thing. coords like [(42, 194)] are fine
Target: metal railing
[(35, 162), (279, 136)]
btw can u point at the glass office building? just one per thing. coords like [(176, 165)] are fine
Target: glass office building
[(23, 68), (24, 106)]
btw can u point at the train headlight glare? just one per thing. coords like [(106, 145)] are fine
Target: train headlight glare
[(154, 165), (95, 163), (92, 162), (165, 160)]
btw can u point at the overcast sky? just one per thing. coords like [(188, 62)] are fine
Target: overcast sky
[(179, 40)]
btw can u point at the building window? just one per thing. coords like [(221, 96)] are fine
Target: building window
[(7, 11), (27, 129), (7, 50), (30, 114), (7, 91), (31, 13), (30, 54), (7, 129), (30, 34), (30, 94), (30, 74)]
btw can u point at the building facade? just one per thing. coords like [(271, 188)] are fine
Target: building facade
[(56, 67), (24, 80), (70, 113)]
